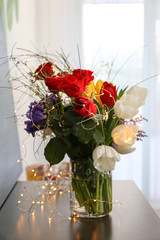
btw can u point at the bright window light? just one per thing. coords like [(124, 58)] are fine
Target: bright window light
[(114, 32)]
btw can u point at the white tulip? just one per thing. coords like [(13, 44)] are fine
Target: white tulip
[(124, 135), (139, 95), (127, 106), (125, 150), (124, 111), (104, 158)]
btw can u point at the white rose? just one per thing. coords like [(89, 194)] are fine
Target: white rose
[(127, 106), (104, 158), (124, 135)]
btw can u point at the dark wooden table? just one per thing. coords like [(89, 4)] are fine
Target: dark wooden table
[(133, 219)]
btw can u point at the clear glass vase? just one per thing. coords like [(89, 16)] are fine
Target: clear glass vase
[(91, 192)]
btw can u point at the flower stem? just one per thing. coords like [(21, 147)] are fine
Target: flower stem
[(100, 210), (97, 193), (60, 100)]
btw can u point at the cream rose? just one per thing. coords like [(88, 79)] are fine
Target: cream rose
[(124, 135), (104, 158)]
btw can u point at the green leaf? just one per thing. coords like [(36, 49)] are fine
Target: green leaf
[(10, 4), (55, 127), (55, 150), (98, 135), (84, 131), (70, 117), (121, 93), (67, 131), (16, 10), (74, 152)]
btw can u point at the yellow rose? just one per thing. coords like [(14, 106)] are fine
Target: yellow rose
[(97, 91), (90, 90)]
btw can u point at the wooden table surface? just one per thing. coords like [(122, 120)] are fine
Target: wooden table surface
[(133, 219)]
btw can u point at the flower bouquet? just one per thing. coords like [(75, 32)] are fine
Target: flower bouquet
[(90, 120)]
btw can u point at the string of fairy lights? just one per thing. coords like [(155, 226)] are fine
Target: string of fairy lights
[(46, 190), (45, 196)]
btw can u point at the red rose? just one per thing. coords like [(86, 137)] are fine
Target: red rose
[(86, 75), (108, 94), (44, 70), (54, 83), (74, 84), (85, 107)]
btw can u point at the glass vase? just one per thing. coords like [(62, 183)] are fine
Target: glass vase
[(91, 192)]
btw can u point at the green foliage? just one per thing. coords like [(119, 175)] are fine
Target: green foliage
[(16, 10), (99, 135), (10, 11), (70, 117), (84, 130), (7, 16), (55, 151), (121, 93)]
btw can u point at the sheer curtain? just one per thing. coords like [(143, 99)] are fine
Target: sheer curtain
[(151, 163), (143, 166), (116, 35)]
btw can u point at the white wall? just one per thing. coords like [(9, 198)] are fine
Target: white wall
[(43, 25)]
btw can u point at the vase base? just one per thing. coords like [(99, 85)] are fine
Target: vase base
[(81, 213)]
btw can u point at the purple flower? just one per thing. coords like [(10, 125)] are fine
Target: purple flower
[(30, 127), (140, 135), (38, 113), (52, 99), (37, 116)]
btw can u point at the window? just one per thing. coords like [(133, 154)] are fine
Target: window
[(114, 32)]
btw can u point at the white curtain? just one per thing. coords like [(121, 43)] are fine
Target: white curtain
[(151, 150), (143, 166)]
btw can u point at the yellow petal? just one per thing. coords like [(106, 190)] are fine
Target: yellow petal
[(90, 90), (97, 91)]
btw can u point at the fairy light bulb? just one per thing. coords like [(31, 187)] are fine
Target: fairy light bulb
[(33, 214), (49, 220)]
